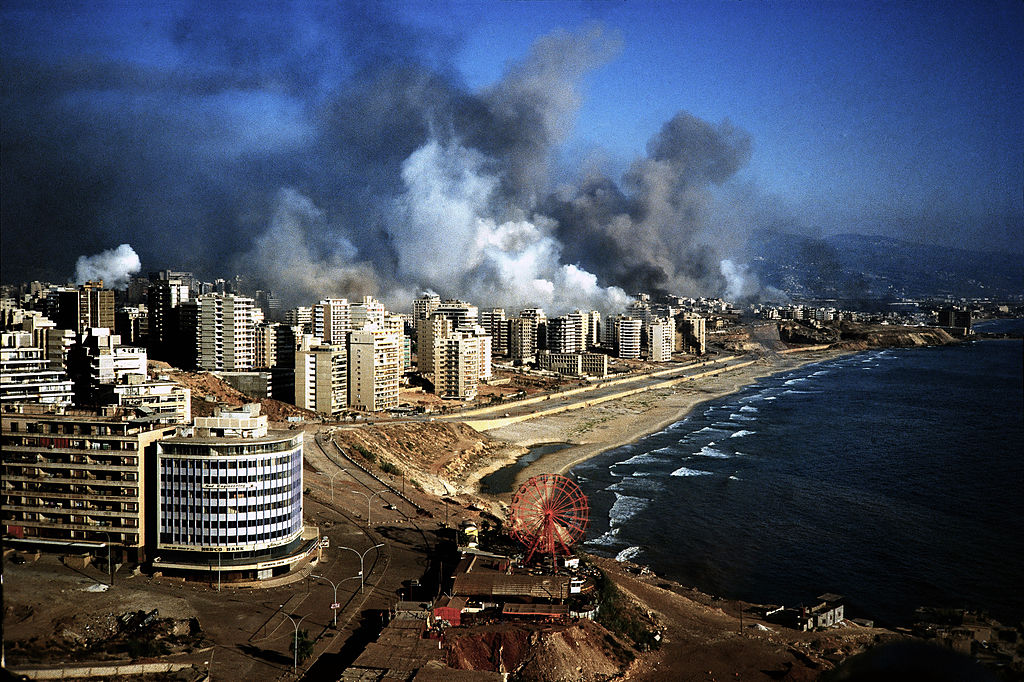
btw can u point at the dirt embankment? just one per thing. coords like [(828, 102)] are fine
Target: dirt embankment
[(208, 392), (857, 336), (580, 651), (442, 457)]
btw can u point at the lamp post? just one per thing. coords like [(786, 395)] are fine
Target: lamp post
[(334, 604), (369, 498), (362, 579), (295, 623), (324, 473), (110, 565)]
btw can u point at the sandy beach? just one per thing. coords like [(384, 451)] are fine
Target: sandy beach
[(593, 430)]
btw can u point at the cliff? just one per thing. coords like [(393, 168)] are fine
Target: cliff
[(857, 336)]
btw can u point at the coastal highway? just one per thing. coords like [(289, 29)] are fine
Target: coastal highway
[(511, 412)]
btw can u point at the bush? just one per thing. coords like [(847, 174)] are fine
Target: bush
[(621, 617), (365, 452), (389, 468)]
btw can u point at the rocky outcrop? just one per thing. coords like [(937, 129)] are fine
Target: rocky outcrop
[(857, 336)]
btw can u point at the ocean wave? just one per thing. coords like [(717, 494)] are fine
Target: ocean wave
[(798, 380), (708, 451), (772, 397), (710, 429), (741, 433), (625, 508), (642, 458), (734, 478), (684, 471), (736, 416), (628, 553), (748, 408), (605, 539), (643, 474)]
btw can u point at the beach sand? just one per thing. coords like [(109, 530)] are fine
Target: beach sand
[(593, 430)]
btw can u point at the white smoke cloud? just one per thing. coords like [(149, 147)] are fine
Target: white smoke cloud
[(450, 240), (113, 266), (288, 261)]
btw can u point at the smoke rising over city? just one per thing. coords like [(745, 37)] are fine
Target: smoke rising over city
[(320, 150)]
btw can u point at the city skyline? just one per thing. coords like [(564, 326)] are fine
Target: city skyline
[(477, 150)]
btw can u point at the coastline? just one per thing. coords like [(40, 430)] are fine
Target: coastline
[(590, 431)]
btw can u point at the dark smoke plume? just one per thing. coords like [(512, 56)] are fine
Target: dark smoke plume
[(334, 152)]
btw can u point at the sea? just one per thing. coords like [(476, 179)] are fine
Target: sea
[(892, 477)]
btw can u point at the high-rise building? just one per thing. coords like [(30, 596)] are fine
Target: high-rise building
[(27, 376), (522, 339), (567, 334), (692, 333), (75, 479), (300, 317), (427, 332), (593, 328), (226, 333), (88, 306), (164, 402), (494, 322), (98, 358), (275, 344), (332, 320), (661, 336), (131, 323), (627, 337), (367, 311), (424, 306), (165, 295), (230, 500), (321, 377), (374, 369), (460, 313), (457, 366), (540, 332)]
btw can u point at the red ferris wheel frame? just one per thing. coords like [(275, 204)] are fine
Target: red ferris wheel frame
[(549, 515)]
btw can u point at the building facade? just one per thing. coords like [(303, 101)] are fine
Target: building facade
[(226, 340), (230, 499), (374, 369), (75, 480), (27, 375), (321, 377)]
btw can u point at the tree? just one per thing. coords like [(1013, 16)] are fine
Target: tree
[(305, 646)]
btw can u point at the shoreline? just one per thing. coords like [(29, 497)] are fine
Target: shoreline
[(591, 431)]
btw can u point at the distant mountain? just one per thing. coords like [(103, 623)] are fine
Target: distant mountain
[(857, 266)]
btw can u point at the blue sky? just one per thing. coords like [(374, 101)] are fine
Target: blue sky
[(855, 108), (138, 119)]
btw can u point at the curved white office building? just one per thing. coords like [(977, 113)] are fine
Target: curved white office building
[(231, 500)]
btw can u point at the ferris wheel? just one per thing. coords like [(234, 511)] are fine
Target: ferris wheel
[(549, 515)]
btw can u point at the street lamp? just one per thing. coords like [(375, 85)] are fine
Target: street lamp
[(368, 500), (324, 473), (110, 565), (362, 579), (295, 661), (334, 604)]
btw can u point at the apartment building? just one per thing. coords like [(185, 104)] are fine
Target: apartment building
[(321, 377), (230, 500), (27, 375), (522, 339), (496, 324), (75, 479), (661, 337), (627, 337), (457, 365), (225, 334), (332, 320), (424, 306), (374, 369), (90, 305)]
